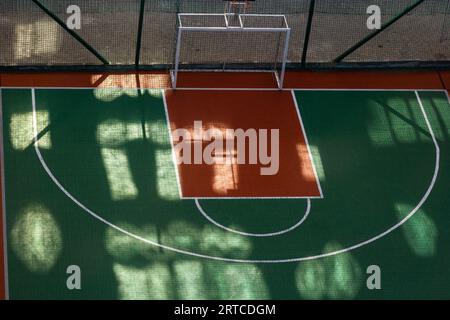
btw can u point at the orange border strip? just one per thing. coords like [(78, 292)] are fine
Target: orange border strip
[(364, 80), (161, 80), (256, 80)]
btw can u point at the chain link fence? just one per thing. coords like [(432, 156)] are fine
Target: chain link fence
[(31, 36)]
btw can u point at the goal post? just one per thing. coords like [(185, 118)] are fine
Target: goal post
[(232, 41)]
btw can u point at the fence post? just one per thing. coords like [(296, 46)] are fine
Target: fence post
[(139, 34), (312, 4), (71, 32), (376, 32)]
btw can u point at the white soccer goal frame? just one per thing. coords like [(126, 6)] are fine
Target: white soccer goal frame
[(227, 28)]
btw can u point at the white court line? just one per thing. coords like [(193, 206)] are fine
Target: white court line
[(172, 147), (270, 234), (5, 237), (305, 89), (251, 198), (307, 143), (229, 89), (448, 95), (194, 254), (366, 89)]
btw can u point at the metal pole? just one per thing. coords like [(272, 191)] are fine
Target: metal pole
[(376, 32), (71, 32), (312, 6), (139, 35), (177, 59), (277, 51), (285, 56)]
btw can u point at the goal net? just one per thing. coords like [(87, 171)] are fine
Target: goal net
[(232, 41)]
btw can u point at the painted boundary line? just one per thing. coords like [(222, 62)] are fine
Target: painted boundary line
[(297, 109), (448, 95), (172, 147), (251, 198), (194, 254), (270, 234), (3, 208)]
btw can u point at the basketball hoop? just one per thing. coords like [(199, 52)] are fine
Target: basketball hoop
[(237, 6), (234, 9)]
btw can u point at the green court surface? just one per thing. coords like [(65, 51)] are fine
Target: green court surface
[(90, 181)]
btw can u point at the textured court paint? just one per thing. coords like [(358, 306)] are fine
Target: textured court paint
[(227, 80), (155, 79), (364, 80), (68, 110), (244, 110), (294, 79), (364, 184), (395, 157)]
